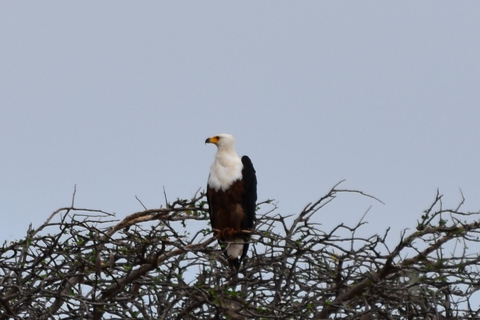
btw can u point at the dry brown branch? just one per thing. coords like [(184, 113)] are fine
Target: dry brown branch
[(164, 264)]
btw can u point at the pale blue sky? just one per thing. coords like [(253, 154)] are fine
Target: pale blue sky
[(118, 98)]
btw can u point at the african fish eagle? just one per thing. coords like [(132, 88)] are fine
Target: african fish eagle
[(231, 196)]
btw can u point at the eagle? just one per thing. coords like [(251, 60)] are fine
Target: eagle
[(232, 197)]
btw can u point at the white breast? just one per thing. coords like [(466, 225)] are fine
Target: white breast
[(224, 171)]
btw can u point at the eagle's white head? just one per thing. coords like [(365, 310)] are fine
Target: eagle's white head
[(227, 166), (223, 141)]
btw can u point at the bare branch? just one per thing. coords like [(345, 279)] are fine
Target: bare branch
[(164, 263)]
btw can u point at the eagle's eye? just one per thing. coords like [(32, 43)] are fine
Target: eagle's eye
[(217, 137)]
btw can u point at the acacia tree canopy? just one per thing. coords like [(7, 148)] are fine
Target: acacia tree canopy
[(85, 264)]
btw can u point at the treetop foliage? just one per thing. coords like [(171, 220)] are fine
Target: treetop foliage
[(164, 264)]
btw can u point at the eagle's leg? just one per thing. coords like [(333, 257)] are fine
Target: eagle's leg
[(225, 234), (228, 233), (217, 233)]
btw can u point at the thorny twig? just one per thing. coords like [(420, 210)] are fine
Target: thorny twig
[(164, 264)]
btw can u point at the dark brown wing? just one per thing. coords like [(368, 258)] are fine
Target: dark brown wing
[(249, 200)]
